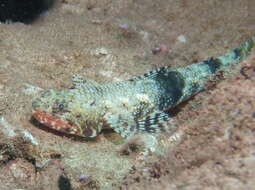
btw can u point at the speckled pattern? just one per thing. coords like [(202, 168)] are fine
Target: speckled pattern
[(136, 105)]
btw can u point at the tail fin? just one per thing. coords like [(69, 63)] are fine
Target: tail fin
[(213, 65), (197, 75), (238, 54)]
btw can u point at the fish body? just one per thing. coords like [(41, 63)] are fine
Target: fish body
[(136, 105)]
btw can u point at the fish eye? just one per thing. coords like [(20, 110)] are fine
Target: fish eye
[(58, 106), (61, 106)]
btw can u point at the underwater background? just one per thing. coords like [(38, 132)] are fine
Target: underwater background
[(107, 40)]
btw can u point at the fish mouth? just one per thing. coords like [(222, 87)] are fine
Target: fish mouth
[(54, 122)]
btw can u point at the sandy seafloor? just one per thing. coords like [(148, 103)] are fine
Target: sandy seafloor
[(107, 40)]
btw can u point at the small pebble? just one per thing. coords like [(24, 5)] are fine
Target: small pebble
[(162, 49), (83, 178), (182, 38), (100, 52)]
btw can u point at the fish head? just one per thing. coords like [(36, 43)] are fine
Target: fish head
[(61, 111)]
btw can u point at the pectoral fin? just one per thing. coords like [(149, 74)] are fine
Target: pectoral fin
[(127, 125)]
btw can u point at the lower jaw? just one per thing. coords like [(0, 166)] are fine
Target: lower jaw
[(55, 123)]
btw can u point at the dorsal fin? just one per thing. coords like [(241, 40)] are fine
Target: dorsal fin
[(78, 82), (151, 74)]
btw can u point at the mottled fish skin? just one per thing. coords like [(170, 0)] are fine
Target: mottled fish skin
[(132, 106)]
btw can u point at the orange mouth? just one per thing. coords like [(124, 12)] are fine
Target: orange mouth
[(54, 122)]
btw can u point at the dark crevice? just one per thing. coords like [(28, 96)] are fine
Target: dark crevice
[(25, 11)]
